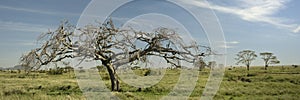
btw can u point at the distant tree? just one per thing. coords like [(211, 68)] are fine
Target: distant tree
[(56, 71), (295, 66), (201, 64), (212, 64), (100, 68), (113, 47), (135, 67), (68, 69), (269, 58), (246, 57)]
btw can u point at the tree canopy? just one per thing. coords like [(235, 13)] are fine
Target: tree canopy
[(269, 58), (246, 57), (112, 46)]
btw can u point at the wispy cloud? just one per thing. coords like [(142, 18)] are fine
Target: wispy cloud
[(228, 47), (19, 42), (149, 22), (297, 30), (18, 26), (232, 42), (27, 43), (253, 11), (229, 44), (37, 11)]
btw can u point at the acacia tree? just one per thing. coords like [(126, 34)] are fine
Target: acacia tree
[(112, 46), (269, 58), (201, 64), (246, 57)]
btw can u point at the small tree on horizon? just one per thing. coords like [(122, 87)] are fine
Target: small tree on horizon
[(246, 57), (269, 58)]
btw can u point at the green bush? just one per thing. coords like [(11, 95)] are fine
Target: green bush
[(101, 68), (13, 92), (245, 80), (42, 71), (21, 76), (63, 90), (147, 72), (251, 75), (231, 79), (57, 71)]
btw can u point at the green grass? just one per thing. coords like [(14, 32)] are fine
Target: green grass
[(238, 84), (38, 86), (275, 83)]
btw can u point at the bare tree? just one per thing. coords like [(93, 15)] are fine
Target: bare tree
[(201, 64), (113, 46), (58, 46), (212, 64), (269, 58), (246, 57)]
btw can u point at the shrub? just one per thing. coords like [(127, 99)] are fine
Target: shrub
[(13, 71), (280, 80), (13, 92), (42, 71), (61, 90), (129, 95), (101, 68), (135, 68), (245, 80), (57, 71), (231, 79), (21, 76), (147, 72), (267, 79), (81, 71), (295, 66), (250, 75), (295, 82), (105, 77)]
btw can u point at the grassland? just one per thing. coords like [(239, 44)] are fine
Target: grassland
[(281, 83)]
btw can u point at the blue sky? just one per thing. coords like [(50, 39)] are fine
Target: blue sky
[(260, 25)]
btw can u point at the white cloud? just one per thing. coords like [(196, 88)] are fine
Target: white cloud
[(229, 44), (252, 10), (233, 42), (37, 11), (227, 47), (19, 42), (27, 44), (297, 30), (18, 26)]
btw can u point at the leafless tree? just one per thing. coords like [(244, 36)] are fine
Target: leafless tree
[(269, 58), (246, 57), (201, 64), (112, 46), (212, 64), (56, 47)]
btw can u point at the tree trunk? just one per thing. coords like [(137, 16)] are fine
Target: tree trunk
[(113, 78), (248, 67), (266, 67)]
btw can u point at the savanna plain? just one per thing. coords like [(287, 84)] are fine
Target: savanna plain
[(276, 83)]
